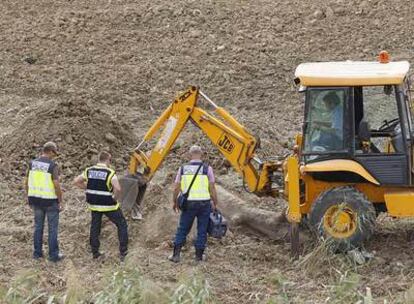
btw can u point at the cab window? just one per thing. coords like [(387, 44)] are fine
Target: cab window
[(324, 125), (409, 99), (380, 113)]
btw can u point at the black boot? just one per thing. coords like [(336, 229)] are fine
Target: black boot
[(199, 256), (175, 257), (122, 256)]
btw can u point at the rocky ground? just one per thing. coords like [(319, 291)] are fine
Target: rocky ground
[(95, 74)]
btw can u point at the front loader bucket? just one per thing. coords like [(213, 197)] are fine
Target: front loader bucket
[(133, 189)]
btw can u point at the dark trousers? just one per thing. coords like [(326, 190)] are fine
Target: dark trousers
[(201, 211), (52, 214), (118, 219)]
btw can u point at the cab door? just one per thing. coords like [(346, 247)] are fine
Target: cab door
[(327, 127), (407, 100), (388, 158)]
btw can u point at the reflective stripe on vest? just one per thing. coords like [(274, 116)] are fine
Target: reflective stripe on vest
[(97, 192), (200, 189), (41, 185), (103, 208)]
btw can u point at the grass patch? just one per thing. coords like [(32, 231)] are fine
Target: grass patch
[(321, 261), (125, 285), (283, 287), (25, 289), (346, 291), (193, 290)]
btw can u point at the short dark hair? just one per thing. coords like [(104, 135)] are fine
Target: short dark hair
[(49, 147), (104, 156), (333, 97)]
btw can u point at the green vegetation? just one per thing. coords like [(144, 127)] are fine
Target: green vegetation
[(122, 286), (24, 290)]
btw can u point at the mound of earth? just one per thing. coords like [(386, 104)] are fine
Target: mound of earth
[(79, 129)]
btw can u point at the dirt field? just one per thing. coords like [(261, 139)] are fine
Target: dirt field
[(95, 74)]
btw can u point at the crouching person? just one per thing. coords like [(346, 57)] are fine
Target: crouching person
[(102, 187), (201, 200)]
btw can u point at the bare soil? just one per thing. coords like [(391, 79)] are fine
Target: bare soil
[(95, 74)]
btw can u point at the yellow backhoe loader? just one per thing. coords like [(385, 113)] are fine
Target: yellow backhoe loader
[(236, 144), (353, 160)]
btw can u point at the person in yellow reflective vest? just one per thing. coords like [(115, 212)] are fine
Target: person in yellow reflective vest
[(202, 198), (45, 198), (102, 187)]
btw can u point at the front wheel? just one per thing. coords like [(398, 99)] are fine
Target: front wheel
[(344, 217)]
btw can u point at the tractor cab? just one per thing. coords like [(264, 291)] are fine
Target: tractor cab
[(356, 150), (359, 113)]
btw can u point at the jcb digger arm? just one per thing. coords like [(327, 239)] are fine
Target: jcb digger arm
[(235, 143)]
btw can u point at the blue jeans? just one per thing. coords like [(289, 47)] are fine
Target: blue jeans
[(201, 211), (52, 214)]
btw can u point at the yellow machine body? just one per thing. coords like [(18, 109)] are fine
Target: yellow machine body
[(398, 199), (235, 143), (297, 179)]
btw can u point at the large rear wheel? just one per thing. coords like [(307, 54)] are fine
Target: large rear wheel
[(344, 217)]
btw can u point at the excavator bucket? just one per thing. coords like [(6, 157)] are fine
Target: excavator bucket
[(133, 189)]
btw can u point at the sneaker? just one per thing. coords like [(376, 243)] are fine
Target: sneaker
[(174, 258), (137, 216), (59, 258)]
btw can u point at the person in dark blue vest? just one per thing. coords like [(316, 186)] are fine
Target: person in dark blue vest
[(102, 187), (202, 199)]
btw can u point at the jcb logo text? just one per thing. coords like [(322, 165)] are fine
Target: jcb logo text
[(225, 143)]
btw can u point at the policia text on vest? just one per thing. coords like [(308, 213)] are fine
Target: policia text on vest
[(41, 190), (99, 189), (200, 188), (202, 198), (100, 182)]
